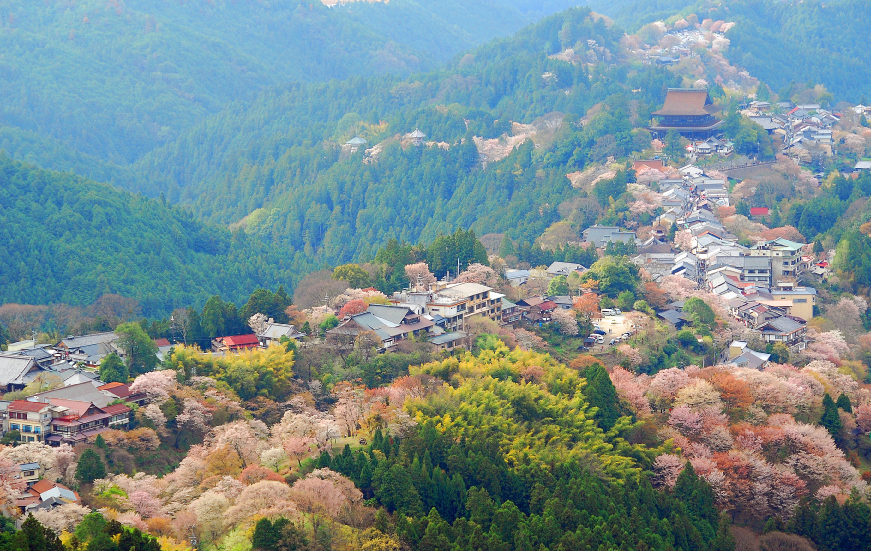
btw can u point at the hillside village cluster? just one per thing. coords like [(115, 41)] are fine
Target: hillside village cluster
[(764, 286)]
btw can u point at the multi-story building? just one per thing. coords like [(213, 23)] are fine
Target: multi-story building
[(56, 421), (31, 419), (803, 299), (451, 304), (785, 257)]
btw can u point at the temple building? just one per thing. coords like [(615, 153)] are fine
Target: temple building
[(690, 112)]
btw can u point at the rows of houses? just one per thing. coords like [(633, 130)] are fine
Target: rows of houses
[(799, 126), (760, 283)]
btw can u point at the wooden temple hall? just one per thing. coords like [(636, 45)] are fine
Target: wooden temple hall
[(688, 111)]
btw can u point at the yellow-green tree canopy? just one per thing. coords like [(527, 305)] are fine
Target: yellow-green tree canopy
[(249, 374), (532, 405)]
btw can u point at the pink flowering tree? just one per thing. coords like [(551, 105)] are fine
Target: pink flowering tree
[(419, 274), (155, 384)]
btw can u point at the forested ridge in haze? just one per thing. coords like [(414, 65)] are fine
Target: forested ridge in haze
[(69, 240), (91, 84), (779, 42)]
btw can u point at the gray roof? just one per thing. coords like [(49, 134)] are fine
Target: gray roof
[(516, 274), (357, 140), (278, 330), (783, 324), (82, 392), (14, 367), (751, 359), (563, 268), (863, 165), (600, 235), (393, 314), (449, 337), (672, 316), (87, 340)]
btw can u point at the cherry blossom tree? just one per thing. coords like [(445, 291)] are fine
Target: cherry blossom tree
[(61, 519), (683, 240), (565, 321), (666, 468), (631, 354), (299, 447), (156, 385), (631, 389), (273, 458), (194, 418), (478, 273), (266, 498), (419, 275), (258, 323), (665, 385), (209, 509), (153, 413), (145, 504)]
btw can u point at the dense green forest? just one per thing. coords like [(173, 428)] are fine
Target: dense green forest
[(69, 240), (92, 83), (275, 167), (273, 172), (779, 42)]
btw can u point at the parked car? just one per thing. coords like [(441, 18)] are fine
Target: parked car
[(598, 332), (617, 311), (600, 339), (613, 342), (626, 335), (607, 312)]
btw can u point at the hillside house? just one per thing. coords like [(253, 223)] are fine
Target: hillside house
[(235, 343), (17, 370), (391, 323), (787, 330), (600, 236), (275, 331)]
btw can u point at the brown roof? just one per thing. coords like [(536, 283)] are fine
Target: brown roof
[(655, 164), (24, 405), (120, 390), (687, 102), (76, 407), (161, 342), (116, 409), (241, 340), (42, 486)]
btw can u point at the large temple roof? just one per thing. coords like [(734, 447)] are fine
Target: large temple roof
[(687, 102)]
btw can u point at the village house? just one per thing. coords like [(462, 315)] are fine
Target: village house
[(600, 236), (787, 330), (17, 370), (275, 331), (390, 323), (783, 254), (55, 420), (235, 343)]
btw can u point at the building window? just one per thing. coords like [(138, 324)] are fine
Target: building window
[(800, 300), (28, 428), (14, 426)]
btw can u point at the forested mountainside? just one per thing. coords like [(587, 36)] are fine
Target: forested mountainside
[(66, 239), (277, 168), (778, 42), (92, 82)]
